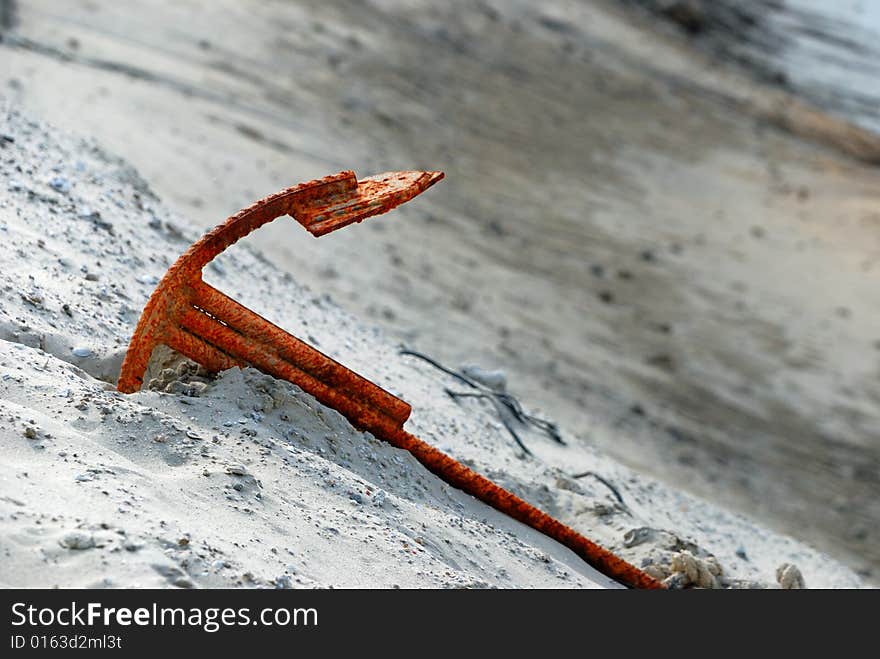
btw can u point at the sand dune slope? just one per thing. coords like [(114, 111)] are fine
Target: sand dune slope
[(243, 480)]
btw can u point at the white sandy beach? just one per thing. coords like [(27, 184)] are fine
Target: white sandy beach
[(252, 482)]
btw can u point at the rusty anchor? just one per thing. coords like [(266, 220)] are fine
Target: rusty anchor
[(207, 326)]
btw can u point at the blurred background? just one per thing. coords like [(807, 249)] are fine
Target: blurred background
[(660, 217)]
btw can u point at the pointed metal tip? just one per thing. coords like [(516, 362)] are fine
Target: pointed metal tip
[(433, 177), (374, 195)]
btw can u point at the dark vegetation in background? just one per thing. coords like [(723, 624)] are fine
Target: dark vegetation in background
[(731, 30)]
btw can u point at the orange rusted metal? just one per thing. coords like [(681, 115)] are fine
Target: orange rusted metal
[(214, 330)]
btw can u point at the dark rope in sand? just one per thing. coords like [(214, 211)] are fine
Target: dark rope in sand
[(505, 404), (455, 395)]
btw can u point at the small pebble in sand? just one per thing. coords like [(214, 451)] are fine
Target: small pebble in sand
[(637, 536), (77, 540), (82, 351), (197, 388), (657, 571), (690, 570), (60, 184), (30, 432), (790, 577)]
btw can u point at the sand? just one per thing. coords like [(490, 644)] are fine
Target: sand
[(676, 264), (243, 480)]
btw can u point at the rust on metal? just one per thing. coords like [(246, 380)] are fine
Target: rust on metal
[(210, 328)]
